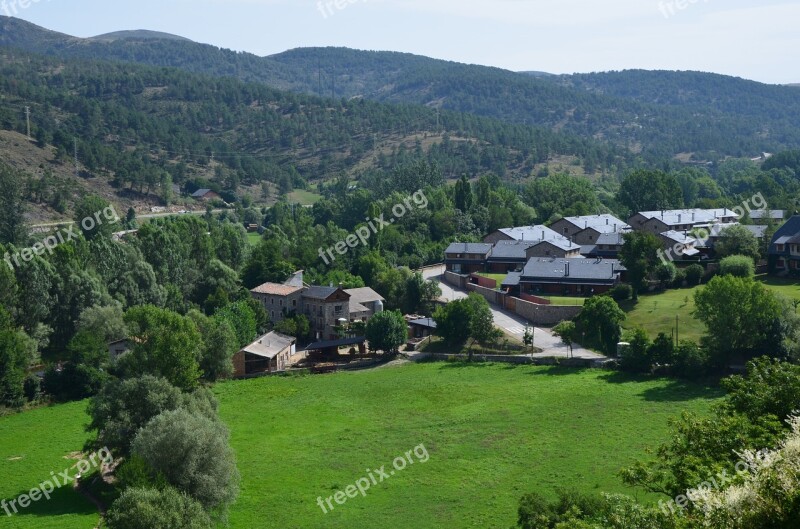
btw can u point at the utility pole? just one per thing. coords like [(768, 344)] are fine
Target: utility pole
[(75, 142), (28, 119), (319, 73), (333, 83)]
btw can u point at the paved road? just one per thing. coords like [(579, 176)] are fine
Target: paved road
[(514, 325)]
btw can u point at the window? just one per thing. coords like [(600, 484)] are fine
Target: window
[(294, 303), (337, 309)]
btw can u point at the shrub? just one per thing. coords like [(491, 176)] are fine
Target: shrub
[(694, 274), (680, 277), (193, 455), (737, 266), (636, 358), (157, 509), (690, 361), (622, 292)]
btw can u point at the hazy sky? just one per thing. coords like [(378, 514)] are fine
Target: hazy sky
[(755, 39)]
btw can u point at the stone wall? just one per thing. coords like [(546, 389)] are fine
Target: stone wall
[(545, 314), (456, 280)]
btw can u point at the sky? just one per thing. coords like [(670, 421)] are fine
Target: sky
[(753, 39)]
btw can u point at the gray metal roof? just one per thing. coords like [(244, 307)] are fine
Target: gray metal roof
[(774, 214), (317, 292), (678, 237), (469, 247), (512, 279), (511, 250), (611, 238), (675, 217), (574, 269), (601, 223), (530, 233)]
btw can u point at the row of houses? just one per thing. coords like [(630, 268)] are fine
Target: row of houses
[(579, 255)]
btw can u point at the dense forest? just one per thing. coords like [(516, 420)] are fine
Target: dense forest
[(660, 114), (145, 127)]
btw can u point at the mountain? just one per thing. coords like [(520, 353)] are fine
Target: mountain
[(656, 114), (139, 130), (137, 35)]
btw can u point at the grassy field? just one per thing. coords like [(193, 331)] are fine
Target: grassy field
[(303, 197), (491, 432), (656, 312), (253, 238), (32, 445)]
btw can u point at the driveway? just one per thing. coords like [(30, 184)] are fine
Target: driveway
[(512, 324)]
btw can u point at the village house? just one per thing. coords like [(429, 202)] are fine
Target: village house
[(784, 250), (607, 246), (586, 230), (682, 220), (679, 245), (568, 277), (206, 195), (523, 233), (767, 216), (466, 257), (327, 308), (271, 353)]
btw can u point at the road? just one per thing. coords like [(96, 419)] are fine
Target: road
[(514, 325)]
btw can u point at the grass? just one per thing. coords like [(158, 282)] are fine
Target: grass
[(32, 445), (253, 238), (564, 300), (656, 313), (497, 277), (303, 197), (493, 433)]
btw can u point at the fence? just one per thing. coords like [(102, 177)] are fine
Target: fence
[(536, 313)]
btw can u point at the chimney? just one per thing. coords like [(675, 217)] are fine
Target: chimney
[(692, 217), (566, 269), (607, 222)]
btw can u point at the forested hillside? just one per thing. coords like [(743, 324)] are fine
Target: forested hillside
[(145, 128), (657, 113)]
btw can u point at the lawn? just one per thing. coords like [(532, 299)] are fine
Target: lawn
[(565, 300), (492, 432), (497, 277), (656, 312), (32, 445), (253, 238), (303, 197)]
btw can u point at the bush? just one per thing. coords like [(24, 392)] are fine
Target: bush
[(737, 266), (192, 453), (32, 387), (694, 274), (622, 292), (157, 509), (636, 358), (73, 382), (690, 361), (680, 277)]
